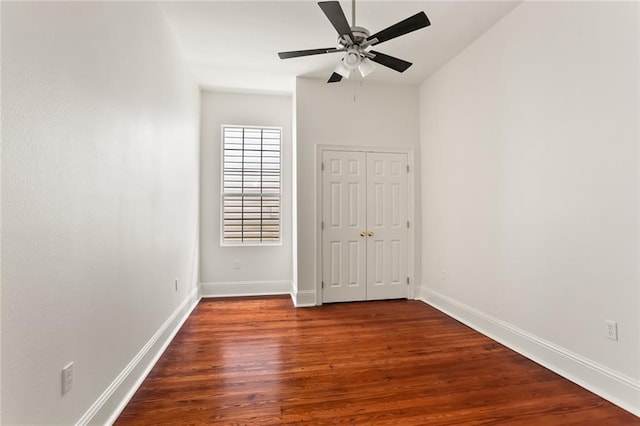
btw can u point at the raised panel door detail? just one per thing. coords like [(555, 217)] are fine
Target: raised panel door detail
[(396, 168), (354, 167), (378, 276), (336, 264), (354, 204), (396, 251), (396, 208), (378, 167), (378, 205), (336, 205), (336, 166), (354, 264)]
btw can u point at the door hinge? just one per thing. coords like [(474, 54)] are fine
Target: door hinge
[(321, 166), (322, 284), (407, 280), (407, 168), (407, 224), (322, 225)]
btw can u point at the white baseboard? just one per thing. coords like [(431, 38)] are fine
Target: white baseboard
[(304, 298), (610, 385), (244, 288), (106, 409)]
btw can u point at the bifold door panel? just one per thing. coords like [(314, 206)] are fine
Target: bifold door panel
[(364, 226)]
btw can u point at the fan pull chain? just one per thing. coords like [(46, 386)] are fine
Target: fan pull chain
[(355, 88)]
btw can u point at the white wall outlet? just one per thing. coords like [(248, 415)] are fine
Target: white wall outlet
[(443, 274), (67, 378), (176, 284), (236, 264), (611, 330)]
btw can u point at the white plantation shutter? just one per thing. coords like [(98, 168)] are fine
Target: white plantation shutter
[(250, 185)]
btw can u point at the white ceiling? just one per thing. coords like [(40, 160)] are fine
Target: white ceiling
[(233, 45)]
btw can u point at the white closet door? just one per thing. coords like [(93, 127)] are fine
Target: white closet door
[(387, 226), (344, 220)]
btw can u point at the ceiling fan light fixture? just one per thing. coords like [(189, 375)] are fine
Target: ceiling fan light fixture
[(366, 67), (342, 69), (352, 59)]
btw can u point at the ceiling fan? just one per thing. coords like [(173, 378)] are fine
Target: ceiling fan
[(356, 42)]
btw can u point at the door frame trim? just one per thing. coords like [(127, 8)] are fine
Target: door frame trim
[(412, 292)]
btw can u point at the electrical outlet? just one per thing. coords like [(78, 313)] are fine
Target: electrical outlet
[(443, 274), (67, 378), (611, 330), (176, 284), (236, 264)]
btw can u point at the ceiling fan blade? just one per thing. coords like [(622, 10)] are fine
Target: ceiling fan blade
[(415, 22), (334, 12), (390, 62), (335, 77), (298, 53)]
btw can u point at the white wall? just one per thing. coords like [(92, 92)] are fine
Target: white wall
[(382, 116), (263, 269), (99, 200), (530, 185)]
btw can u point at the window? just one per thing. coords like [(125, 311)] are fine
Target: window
[(250, 185)]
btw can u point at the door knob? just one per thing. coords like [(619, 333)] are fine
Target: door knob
[(370, 233), (363, 234)]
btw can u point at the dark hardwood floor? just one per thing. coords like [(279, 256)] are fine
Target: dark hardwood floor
[(260, 361)]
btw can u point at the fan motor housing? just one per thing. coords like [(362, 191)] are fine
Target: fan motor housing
[(360, 34)]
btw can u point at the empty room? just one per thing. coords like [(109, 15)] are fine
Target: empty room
[(297, 212)]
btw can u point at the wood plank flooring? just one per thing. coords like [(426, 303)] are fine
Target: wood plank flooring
[(260, 361)]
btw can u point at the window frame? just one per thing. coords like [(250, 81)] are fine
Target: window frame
[(224, 243)]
